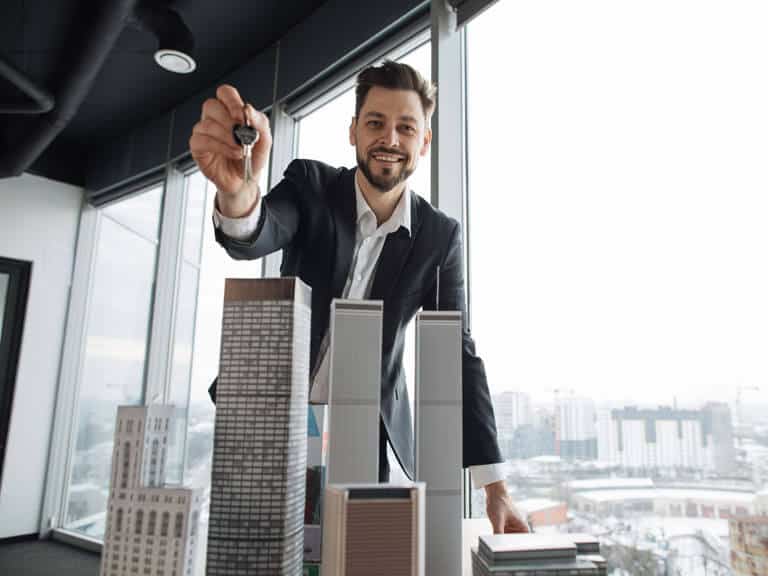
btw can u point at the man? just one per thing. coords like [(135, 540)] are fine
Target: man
[(361, 234)]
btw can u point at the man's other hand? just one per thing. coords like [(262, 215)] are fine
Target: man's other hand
[(502, 513)]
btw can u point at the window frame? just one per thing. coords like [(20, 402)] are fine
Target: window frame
[(66, 416)]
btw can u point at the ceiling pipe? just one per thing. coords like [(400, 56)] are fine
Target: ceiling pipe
[(39, 100), (25, 141)]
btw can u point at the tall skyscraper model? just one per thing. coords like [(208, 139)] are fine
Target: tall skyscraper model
[(150, 529), (256, 518), (373, 530), (439, 436), (354, 391)]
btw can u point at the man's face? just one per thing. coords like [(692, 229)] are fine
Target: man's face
[(389, 135)]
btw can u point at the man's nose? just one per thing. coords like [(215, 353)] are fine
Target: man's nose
[(391, 138)]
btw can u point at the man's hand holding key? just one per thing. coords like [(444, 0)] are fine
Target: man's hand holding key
[(222, 159)]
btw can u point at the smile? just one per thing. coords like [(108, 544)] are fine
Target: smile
[(387, 158)]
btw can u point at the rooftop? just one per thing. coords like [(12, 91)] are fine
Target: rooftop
[(668, 494)]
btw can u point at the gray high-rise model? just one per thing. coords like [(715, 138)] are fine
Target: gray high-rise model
[(439, 436), (256, 518), (354, 391)]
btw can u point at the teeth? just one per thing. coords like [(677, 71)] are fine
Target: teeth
[(387, 158)]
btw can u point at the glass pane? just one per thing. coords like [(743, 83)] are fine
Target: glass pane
[(4, 278), (324, 136), (141, 212), (113, 364), (618, 241), (215, 267), (193, 219), (181, 367)]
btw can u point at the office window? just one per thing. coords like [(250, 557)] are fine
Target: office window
[(617, 243), (112, 371), (184, 319), (214, 268), (324, 136)]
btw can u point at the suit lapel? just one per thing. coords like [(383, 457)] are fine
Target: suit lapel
[(346, 217), (394, 254)]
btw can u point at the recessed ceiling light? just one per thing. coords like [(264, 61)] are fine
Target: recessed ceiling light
[(175, 61)]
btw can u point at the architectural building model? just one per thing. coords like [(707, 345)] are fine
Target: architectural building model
[(439, 435), (373, 530), (749, 545), (150, 529), (256, 522), (539, 554), (354, 391), (317, 442)]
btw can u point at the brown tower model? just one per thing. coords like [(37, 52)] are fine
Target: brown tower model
[(259, 453), (373, 530)]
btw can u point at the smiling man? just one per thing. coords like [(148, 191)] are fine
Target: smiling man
[(361, 233)]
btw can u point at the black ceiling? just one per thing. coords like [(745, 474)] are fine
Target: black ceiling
[(41, 39)]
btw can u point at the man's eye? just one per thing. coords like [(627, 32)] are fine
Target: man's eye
[(374, 123), (408, 129)]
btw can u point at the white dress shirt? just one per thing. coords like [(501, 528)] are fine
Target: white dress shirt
[(369, 242)]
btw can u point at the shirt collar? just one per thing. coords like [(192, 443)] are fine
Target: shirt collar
[(401, 217)]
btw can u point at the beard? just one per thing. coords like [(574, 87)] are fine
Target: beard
[(390, 176)]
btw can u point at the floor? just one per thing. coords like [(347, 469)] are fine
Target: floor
[(46, 558)]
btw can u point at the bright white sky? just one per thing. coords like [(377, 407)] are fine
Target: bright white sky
[(619, 196)]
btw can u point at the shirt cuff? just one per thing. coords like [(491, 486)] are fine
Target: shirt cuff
[(238, 228), (485, 474)]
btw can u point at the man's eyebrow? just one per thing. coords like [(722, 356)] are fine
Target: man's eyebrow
[(405, 117)]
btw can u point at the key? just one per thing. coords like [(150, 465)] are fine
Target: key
[(246, 136)]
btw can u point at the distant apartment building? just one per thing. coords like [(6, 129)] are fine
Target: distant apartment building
[(667, 439), (151, 530), (749, 546), (256, 521), (672, 502), (512, 410), (575, 428), (536, 438)]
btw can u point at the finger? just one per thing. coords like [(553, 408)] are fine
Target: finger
[(230, 97), (217, 132), (215, 110), (202, 144), (257, 119), (497, 524), (515, 524)]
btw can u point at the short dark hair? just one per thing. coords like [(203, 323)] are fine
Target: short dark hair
[(395, 76)]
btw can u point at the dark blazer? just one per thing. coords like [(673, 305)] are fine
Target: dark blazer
[(311, 216)]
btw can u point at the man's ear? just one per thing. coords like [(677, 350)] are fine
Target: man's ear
[(352, 127), (426, 143)]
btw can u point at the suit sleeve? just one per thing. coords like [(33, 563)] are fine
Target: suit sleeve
[(479, 424), (281, 211)]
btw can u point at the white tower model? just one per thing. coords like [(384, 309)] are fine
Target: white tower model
[(354, 391), (150, 529), (439, 436), (256, 523)]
